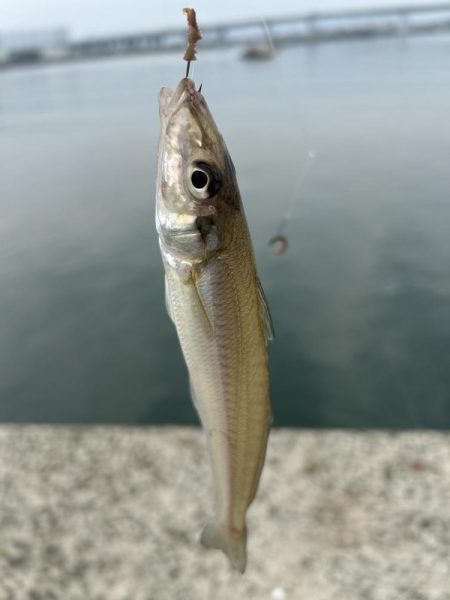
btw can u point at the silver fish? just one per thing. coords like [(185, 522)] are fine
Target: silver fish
[(214, 298)]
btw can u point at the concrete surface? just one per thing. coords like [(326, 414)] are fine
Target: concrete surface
[(115, 514)]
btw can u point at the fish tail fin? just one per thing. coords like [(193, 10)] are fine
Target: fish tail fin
[(232, 543)]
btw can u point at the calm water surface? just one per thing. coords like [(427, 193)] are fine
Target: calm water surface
[(360, 302)]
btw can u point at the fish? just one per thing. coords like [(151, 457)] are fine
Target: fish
[(216, 302)]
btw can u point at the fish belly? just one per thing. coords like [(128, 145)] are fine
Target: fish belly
[(218, 320)]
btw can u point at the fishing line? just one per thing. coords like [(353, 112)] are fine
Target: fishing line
[(269, 37), (293, 203), (280, 241)]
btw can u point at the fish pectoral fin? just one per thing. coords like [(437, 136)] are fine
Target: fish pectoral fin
[(201, 305), (168, 300), (194, 296), (265, 313)]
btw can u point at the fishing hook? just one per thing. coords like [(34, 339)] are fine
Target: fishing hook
[(281, 244)]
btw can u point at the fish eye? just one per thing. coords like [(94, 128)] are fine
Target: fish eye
[(204, 180), (199, 179)]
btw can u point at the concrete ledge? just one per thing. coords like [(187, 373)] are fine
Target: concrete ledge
[(114, 514)]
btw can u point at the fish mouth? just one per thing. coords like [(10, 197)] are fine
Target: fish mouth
[(186, 92)]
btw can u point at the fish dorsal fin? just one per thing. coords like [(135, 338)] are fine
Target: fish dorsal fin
[(265, 313)]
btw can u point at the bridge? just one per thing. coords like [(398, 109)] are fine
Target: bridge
[(308, 28)]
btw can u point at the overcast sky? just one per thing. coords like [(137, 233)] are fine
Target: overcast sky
[(90, 17)]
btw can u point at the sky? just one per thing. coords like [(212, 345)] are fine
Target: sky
[(84, 18)]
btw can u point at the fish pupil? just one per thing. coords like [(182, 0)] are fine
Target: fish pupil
[(199, 179)]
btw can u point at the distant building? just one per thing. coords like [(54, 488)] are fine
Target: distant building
[(33, 45)]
